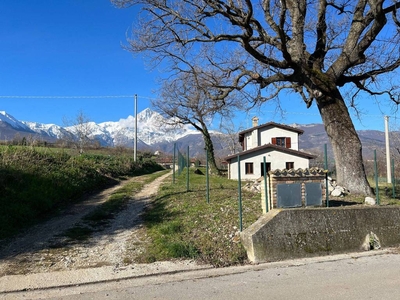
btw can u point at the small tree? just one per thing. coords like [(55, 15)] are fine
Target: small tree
[(79, 132), (189, 98)]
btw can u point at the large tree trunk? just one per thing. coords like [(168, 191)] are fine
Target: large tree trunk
[(213, 169), (345, 143)]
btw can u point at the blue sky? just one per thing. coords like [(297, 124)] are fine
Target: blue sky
[(69, 48)]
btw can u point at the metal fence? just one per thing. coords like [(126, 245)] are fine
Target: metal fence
[(376, 169)]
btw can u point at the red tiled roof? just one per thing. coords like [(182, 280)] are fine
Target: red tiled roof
[(273, 124), (274, 147)]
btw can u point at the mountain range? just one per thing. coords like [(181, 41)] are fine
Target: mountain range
[(153, 134)]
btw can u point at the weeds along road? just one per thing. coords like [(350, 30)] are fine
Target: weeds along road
[(44, 249)]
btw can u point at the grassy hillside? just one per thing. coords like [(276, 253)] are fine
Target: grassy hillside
[(36, 182)]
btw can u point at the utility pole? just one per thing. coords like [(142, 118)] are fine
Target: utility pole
[(135, 141), (388, 166)]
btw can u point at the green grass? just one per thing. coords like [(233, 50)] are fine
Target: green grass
[(182, 224), (386, 192), (36, 183)]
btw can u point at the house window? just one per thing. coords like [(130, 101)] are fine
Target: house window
[(249, 168), (289, 165), (282, 141)]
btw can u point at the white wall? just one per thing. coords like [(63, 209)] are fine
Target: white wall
[(276, 158), (264, 136), (248, 141), (255, 139), (268, 133)]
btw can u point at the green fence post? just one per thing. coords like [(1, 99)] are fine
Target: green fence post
[(187, 167), (376, 178), (393, 180), (207, 180), (173, 165), (326, 175), (265, 186), (240, 195)]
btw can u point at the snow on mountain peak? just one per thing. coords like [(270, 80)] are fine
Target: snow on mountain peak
[(152, 128), (146, 114), (5, 117)]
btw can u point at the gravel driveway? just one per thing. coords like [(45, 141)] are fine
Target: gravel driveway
[(41, 249)]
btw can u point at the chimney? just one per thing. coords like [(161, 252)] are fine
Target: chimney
[(255, 121)]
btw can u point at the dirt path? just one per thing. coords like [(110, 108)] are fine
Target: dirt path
[(41, 249)]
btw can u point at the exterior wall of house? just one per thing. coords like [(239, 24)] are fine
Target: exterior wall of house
[(248, 141), (277, 160), (262, 136), (266, 135), (255, 139)]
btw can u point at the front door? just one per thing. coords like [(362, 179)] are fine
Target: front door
[(268, 165)]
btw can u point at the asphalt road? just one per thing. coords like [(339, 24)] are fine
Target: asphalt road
[(335, 277)]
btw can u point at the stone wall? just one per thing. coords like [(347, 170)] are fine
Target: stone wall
[(305, 232)]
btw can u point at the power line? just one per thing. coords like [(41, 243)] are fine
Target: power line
[(149, 98), (65, 97)]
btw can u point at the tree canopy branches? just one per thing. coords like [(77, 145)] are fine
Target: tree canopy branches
[(293, 41)]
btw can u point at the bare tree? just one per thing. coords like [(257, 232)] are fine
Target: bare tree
[(320, 49), (188, 99), (79, 131), (229, 138)]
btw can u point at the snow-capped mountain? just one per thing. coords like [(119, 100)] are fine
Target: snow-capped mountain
[(152, 129), (155, 134), (6, 118), (51, 130)]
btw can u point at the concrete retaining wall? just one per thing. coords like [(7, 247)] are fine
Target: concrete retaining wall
[(295, 233)]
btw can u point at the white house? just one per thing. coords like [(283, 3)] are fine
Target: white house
[(277, 143)]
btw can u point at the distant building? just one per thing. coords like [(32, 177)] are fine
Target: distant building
[(278, 143), (167, 160)]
